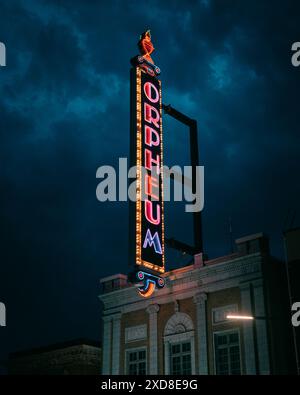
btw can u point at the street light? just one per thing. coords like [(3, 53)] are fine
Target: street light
[(247, 317), (239, 317)]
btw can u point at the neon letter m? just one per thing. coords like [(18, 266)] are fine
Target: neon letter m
[(153, 240)]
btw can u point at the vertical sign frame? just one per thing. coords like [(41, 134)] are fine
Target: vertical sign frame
[(147, 242)]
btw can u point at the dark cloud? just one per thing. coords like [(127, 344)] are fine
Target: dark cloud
[(65, 111)]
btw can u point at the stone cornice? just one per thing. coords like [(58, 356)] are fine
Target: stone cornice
[(186, 284)]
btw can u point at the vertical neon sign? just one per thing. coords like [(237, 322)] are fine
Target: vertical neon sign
[(147, 149), (149, 206)]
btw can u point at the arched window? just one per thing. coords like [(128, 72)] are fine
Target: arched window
[(179, 344)]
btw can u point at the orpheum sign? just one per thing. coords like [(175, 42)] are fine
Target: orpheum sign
[(149, 213), (147, 155)]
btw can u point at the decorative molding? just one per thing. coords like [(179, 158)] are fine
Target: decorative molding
[(179, 337), (200, 298), (245, 286), (212, 278), (219, 313), (178, 320), (258, 283), (116, 316), (106, 318), (152, 309), (135, 333)]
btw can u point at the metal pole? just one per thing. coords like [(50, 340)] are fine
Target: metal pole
[(198, 242)]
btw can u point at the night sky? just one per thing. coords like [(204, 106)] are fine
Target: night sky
[(64, 111)]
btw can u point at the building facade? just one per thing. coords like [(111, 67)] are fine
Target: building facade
[(183, 328), (292, 250), (77, 357)]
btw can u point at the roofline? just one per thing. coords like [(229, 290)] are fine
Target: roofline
[(113, 277), (250, 237), (56, 347), (297, 228)]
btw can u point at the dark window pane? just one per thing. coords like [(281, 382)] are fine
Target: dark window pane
[(132, 356), (142, 354), (227, 353), (176, 349), (221, 340), (233, 338), (132, 369), (176, 365), (186, 364), (187, 370), (186, 347), (176, 360), (142, 368)]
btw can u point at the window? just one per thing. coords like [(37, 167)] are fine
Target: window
[(227, 353), (181, 358), (179, 345), (136, 362)]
